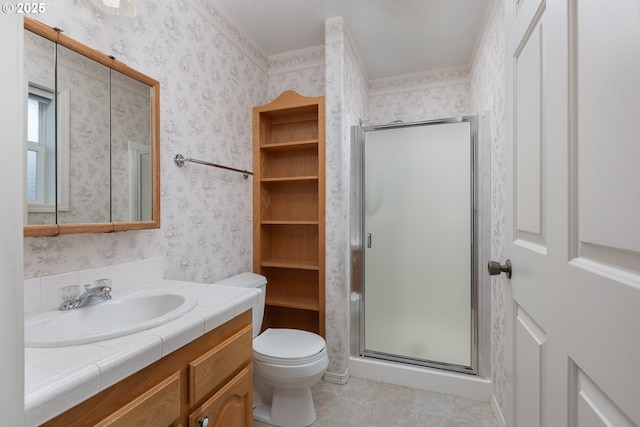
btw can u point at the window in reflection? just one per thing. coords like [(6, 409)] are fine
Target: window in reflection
[(41, 152), (39, 112)]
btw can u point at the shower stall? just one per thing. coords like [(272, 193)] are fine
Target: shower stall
[(419, 226)]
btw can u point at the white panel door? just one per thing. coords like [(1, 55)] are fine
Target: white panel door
[(573, 212)]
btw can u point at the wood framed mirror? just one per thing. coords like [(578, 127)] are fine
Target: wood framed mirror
[(92, 146)]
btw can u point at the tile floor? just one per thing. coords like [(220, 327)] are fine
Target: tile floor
[(367, 403)]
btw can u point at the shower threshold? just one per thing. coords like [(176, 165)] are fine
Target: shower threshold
[(419, 362)]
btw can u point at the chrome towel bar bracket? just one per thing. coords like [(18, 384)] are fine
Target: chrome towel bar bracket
[(180, 160)]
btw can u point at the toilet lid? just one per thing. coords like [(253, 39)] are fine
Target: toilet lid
[(288, 346)]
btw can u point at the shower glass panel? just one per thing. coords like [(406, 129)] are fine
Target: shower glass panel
[(418, 243)]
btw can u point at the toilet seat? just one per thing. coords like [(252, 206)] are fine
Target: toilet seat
[(288, 347)]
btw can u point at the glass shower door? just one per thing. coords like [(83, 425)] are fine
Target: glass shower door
[(418, 228)]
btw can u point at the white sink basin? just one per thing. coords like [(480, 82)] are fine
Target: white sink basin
[(109, 319)]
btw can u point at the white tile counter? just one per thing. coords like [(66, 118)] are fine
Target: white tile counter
[(59, 378)]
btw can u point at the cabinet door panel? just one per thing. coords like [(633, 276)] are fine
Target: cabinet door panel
[(208, 371), (158, 407), (232, 406)]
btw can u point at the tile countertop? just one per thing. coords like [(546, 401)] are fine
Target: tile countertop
[(59, 378)]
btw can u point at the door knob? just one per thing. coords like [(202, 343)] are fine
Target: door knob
[(496, 268)]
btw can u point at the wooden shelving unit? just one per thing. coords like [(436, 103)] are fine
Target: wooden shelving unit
[(289, 210)]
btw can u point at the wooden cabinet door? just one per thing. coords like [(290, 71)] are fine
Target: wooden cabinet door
[(160, 406), (232, 406), (208, 371)]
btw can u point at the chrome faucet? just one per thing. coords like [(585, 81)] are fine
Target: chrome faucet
[(92, 295)]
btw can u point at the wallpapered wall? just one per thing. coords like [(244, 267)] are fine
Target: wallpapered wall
[(488, 94), (302, 71), (346, 97), (431, 95), (211, 76)]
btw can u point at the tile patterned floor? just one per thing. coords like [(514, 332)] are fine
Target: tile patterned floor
[(367, 403)]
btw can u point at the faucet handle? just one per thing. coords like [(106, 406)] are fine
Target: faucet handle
[(102, 282)]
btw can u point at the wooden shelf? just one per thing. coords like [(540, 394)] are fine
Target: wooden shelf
[(289, 200), (285, 179), (287, 263), (290, 145), (288, 222), (289, 210), (301, 303)]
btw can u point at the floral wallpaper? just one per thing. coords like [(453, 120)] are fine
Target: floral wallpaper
[(302, 71), (335, 285), (488, 94), (431, 95), (346, 103)]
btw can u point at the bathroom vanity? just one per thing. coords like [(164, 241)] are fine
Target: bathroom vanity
[(195, 370)]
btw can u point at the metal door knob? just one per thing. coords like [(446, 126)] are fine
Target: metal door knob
[(496, 268), (203, 421)]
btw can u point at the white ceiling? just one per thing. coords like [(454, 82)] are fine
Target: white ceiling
[(392, 37)]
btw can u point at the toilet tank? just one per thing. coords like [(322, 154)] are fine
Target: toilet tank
[(250, 280)]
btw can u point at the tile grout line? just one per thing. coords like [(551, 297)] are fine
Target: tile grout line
[(375, 397)]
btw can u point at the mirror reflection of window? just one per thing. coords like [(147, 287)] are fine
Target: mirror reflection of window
[(41, 152), (40, 146)]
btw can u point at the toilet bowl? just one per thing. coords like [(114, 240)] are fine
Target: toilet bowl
[(287, 363)]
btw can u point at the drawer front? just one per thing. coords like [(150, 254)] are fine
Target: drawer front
[(208, 371), (158, 407), (231, 406)]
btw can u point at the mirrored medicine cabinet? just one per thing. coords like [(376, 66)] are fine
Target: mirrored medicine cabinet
[(91, 130)]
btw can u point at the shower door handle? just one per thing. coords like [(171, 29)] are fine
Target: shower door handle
[(496, 268)]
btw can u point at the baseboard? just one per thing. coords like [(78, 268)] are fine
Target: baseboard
[(497, 411), (334, 378)]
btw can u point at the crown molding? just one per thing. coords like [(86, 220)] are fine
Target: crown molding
[(422, 80), (312, 57)]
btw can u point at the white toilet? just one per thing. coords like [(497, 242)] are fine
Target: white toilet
[(287, 362)]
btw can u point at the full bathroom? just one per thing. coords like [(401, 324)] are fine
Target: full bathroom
[(207, 76)]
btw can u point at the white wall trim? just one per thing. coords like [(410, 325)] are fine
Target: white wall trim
[(340, 379), (427, 79), (11, 220), (296, 60)]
